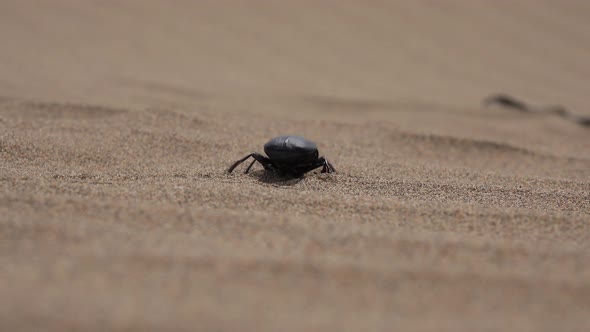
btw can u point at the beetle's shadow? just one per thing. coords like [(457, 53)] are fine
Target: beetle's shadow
[(275, 179)]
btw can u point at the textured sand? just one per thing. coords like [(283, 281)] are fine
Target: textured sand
[(118, 118)]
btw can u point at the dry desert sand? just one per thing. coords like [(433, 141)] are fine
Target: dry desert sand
[(118, 119)]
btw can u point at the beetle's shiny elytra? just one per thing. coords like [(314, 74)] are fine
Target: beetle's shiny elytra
[(293, 155)]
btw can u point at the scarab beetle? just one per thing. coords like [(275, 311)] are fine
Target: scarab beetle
[(288, 155)]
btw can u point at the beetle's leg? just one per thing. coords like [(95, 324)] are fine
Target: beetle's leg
[(320, 162), (302, 170), (328, 168), (232, 167), (250, 166), (265, 162)]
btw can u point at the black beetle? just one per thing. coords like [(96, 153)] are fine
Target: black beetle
[(292, 155)]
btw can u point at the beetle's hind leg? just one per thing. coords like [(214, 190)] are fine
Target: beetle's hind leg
[(265, 162), (320, 162)]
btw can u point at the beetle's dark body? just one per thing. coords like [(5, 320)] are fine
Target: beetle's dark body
[(292, 155), (291, 150)]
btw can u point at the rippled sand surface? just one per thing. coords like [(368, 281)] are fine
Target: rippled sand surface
[(119, 118)]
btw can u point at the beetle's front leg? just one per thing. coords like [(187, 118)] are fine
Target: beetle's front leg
[(328, 168)]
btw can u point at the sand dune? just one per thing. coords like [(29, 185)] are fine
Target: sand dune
[(118, 120)]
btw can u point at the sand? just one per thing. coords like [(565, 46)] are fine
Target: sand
[(119, 118)]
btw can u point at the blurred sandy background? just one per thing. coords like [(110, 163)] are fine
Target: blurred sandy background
[(118, 119)]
